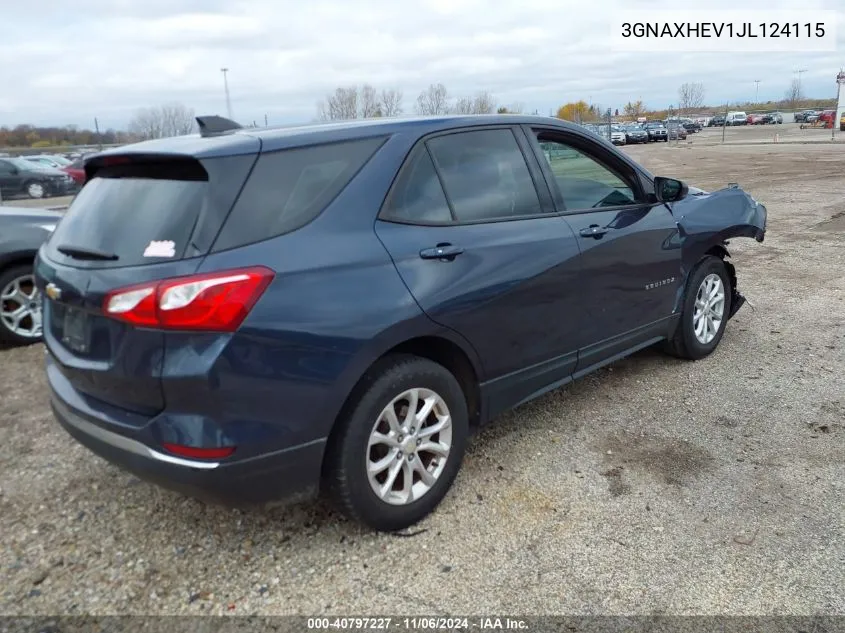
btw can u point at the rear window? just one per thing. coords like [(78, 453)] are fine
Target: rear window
[(289, 188), (140, 213)]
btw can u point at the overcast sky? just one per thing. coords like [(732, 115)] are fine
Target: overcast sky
[(67, 61)]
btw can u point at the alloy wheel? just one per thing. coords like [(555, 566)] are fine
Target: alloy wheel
[(20, 307), (709, 308), (409, 446)]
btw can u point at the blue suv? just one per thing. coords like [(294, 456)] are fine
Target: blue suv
[(256, 315)]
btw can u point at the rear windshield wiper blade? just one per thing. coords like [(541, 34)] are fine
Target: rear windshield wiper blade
[(80, 252)]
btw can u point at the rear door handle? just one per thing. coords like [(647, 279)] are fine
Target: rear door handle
[(594, 230), (442, 251)]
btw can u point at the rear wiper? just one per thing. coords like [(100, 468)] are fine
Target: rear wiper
[(80, 252)]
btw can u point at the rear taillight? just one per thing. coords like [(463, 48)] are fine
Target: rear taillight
[(216, 302)]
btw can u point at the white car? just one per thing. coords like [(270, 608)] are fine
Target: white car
[(617, 136)]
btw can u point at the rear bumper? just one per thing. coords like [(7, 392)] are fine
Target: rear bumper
[(285, 476)]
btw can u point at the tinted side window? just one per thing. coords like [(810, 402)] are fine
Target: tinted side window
[(289, 188), (417, 196), (485, 175), (5, 167), (583, 181)]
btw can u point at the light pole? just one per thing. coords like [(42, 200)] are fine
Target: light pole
[(835, 121), (226, 88), (756, 91), (800, 72)]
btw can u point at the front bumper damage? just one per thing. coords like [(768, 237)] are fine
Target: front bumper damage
[(706, 221)]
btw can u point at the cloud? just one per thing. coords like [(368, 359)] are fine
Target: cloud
[(106, 58)]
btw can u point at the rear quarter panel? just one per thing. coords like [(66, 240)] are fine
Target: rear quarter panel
[(335, 306)]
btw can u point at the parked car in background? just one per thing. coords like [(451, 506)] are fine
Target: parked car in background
[(617, 135), (774, 118), (76, 170), (755, 119), (635, 134), (737, 118), (56, 162), (656, 131), (205, 326), (22, 231), (842, 123), (691, 126), (717, 121), (62, 164), (801, 117), (827, 117), (22, 177), (675, 131)]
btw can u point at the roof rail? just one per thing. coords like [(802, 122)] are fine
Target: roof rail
[(213, 125)]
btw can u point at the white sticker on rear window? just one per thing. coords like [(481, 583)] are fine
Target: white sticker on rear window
[(162, 248)]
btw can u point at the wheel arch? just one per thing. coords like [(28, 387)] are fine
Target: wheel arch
[(17, 258), (719, 250), (440, 347)]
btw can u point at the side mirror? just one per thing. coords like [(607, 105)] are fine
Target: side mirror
[(669, 189)]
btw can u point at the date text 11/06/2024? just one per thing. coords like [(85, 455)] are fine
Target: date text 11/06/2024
[(723, 29), (416, 624)]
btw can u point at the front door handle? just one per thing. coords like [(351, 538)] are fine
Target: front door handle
[(442, 251), (594, 230)]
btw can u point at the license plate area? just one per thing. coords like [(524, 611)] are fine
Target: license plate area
[(75, 330)]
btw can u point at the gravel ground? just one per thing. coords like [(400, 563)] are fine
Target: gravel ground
[(652, 486), (59, 201)]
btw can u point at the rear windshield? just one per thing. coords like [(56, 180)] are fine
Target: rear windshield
[(289, 188), (135, 214)]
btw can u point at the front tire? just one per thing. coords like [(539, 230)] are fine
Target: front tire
[(399, 446), (35, 190), (707, 304), (20, 307)]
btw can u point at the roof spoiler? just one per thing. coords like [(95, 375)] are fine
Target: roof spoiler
[(213, 125)]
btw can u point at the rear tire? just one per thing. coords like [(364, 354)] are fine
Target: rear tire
[(390, 471), (707, 304)]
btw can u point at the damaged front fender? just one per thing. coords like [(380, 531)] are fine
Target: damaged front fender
[(707, 220)]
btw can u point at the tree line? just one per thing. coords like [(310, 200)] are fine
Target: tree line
[(170, 119), (691, 100), (355, 102), (25, 135), (364, 102)]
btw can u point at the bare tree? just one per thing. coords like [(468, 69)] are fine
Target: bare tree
[(391, 102), (483, 103), (353, 103), (793, 93), (434, 100), (691, 95), (170, 119), (463, 106), (368, 99), (340, 105)]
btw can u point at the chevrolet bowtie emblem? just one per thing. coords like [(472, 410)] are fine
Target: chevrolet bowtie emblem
[(53, 291)]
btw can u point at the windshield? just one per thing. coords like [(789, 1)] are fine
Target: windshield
[(22, 163), (61, 160)]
